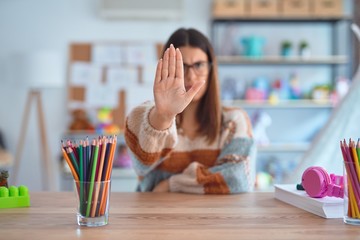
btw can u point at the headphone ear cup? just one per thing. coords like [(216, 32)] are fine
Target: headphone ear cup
[(315, 181), (326, 183)]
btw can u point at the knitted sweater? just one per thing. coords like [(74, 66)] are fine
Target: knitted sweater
[(192, 165)]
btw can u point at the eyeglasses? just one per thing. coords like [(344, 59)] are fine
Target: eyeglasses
[(200, 68)]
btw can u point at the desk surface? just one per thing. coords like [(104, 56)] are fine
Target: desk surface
[(172, 216)]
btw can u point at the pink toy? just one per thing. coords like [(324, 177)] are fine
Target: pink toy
[(318, 183)]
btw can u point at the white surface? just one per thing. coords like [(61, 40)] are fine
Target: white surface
[(327, 207)]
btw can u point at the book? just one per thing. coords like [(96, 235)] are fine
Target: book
[(326, 207)]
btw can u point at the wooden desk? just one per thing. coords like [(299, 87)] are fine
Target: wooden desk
[(172, 216)]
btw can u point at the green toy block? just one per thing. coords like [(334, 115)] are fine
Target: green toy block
[(14, 197)]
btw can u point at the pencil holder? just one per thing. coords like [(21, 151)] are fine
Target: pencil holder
[(93, 203), (351, 193)]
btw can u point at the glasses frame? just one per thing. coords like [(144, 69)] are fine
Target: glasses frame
[(188, 66)]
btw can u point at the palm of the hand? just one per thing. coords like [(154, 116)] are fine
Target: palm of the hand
[(170, 94), (170, 99)]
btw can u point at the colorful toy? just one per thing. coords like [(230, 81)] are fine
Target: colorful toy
[(105, 119), (123, 160), (321, 92), (295, 91), (14, 197), (263, 181)]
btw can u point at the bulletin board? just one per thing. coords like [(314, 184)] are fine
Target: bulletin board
[(108, 74)]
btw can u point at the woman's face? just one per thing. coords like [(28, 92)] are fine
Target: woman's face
[(196, 67)]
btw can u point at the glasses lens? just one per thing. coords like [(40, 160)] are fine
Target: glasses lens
[(200, 68)]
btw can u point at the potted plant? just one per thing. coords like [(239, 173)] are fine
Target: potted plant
[(4, 175), (286, 48), (304, 49)]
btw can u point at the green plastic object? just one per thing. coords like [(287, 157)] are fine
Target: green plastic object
[(14, 197)]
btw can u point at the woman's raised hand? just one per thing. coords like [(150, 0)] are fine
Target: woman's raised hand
[(171, 97)]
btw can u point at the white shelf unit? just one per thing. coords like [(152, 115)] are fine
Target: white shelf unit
[(291, 118)]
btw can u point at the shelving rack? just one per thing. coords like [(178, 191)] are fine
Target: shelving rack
[(334, 60)]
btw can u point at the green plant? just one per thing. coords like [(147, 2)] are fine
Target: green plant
[(286, 44), (303, 44)]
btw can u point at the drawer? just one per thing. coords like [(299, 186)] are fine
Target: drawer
[(228, 8), (263, 8), (295, 8), (327, 7)]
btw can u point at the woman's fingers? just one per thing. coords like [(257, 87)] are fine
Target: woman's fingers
[(172, 61), (190, 94), (158, 71), (165, 65), (179, 72)]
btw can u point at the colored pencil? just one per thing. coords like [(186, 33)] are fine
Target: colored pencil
[(92, 178), (99, 172)]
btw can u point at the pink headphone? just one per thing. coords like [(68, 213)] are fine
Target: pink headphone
[(318, 183)]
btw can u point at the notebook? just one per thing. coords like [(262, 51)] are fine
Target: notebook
[(327, 207)]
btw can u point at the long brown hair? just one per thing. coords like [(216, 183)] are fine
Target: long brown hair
[(209, 110)]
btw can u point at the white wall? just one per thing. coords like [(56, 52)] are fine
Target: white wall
[(37, 25)]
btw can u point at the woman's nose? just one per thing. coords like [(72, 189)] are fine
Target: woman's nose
[(189, 73)]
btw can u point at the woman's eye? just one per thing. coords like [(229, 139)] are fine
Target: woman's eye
[(198, 65)]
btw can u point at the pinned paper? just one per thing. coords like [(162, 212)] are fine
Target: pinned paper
[(121, 77), (101, 95), (140, 54), (84, 74), (107, 54)]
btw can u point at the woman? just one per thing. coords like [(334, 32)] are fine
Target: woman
[(185, 141)]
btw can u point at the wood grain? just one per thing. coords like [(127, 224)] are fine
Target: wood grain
[(172, 216)]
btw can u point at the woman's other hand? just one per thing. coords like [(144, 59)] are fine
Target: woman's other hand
[(163, 186)]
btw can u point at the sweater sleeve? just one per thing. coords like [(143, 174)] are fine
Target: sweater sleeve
[(148, 146), (232, 172)]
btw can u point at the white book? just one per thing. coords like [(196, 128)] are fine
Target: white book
[(326, 207)]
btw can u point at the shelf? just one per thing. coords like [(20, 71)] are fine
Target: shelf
[(284, 147), (296, 104), (280, 60), (332, 19)]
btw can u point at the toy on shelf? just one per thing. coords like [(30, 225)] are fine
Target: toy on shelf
[(106, 125), (263, 181), (123, 159), (253, 46), (232, 88), (80, 121), (321, 92), (14, 197), (341, 89), (294, 87), (6, 158), (261, 121), (259, 90), (4, 175)]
